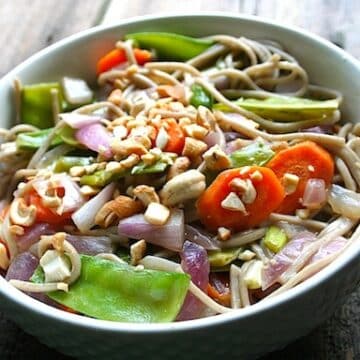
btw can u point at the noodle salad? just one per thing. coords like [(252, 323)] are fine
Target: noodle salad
[(200, 176)]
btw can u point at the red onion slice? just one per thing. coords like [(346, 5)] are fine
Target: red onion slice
[(284, 258), (32, 235), (84, 218), (169, 236), (22, 267), (329, 248), (194, 261), (90, 245), (344, 201), (77, 121), (200, 237), (314, 194), (96, 138)]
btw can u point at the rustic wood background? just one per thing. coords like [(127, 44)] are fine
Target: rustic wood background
[(26, 26)]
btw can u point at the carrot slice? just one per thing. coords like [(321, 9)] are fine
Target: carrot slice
[(176, 140), (45, 214), (307, 160), (269, 195), (223, 299), (117, 56)]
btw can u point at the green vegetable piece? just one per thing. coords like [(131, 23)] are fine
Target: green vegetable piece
[(286, 108), (275, 238), (253, 154), (103, 177), (33, 140), (65, 163), (67, 134), (143, 168), (200, 97), (36, 104), (221, 258), (170, 46), (110, 291)]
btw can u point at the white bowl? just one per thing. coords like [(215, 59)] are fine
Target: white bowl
[(247, 333)]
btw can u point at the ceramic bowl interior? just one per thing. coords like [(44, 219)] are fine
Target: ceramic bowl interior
[(76, 56)]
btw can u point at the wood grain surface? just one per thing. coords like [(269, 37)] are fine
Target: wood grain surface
[(27, 26)]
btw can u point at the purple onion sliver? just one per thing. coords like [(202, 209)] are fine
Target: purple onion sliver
[(200, 237), (22, 267), (90, 245), (32, 235)]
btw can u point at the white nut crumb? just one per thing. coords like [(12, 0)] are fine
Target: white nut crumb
[(162, 138), (246, 255), (157, 214), (233, 202), (256, 175), (223, 233), (137, 251), (290, 183)]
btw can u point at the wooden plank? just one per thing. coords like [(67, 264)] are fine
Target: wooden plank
[(28, 26)]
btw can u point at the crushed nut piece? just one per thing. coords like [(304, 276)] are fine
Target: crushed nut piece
[(180, 165), (311, 168), (162, 138), (115, 97), (157, 214), (123, 148), (249, 196), (76, 171), (130, 161), (120, 132), (216, 159), (290, 183), (223, 233), (4, 259), (146, 194), (196, 131), (233, 202), (184, 121), (303, 213), (177, 92), (88, 190), (246, 255), (148, 158), (193, 148), (113, 166), (185, 186), (256, 175), (137, 251)]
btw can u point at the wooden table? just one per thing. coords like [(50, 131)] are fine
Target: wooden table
[(27, 26)]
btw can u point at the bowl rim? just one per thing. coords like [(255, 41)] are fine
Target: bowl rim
[(40, 309)]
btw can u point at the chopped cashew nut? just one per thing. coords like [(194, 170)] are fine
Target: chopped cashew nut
[(162, 138), (176, 92), (303, 213), (117, 209), (223, 233), (205, 117), (290, 183), (115, 97), (120, 132), (185, 186), (146, 194), (311, 168), (55, 266), (249, 196), (196, 131), (124, 148), (137, 251), (21, 214), (216, 159), (88, 190), (157, 214), (233, 202), (180, 165), (4, 259), (256, 175), (193, 148), (76, 171)]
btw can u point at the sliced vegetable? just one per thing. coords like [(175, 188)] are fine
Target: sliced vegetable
[(287, 108), (77, 121), (67, 135), (22, 267), (200, 97), (170, 236), (95, 137), (176, 141), (102, 177), (257, 153), (344, 201), (221, 258), (314, 194), (285, 257), (171, 46), (269, 195), (110, 291), (65, 163), (32, 235), (201, 237), (194, 261), (90, 245), (143, 168), (36, 104), (33, 140), (252, 271), (275, 238), (306, 160), (76, 91), (118, 56)]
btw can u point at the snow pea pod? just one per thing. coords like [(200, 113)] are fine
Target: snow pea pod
[(254, 154), (65, 163), (171, 46), (200, 97), (110, 291)]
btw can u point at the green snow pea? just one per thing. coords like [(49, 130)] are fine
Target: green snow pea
[(65, 163), (33, 140), (143, 168), (275, 238), (200, 97), (36, 104), (170, 46), (254, 154), (110, 291)]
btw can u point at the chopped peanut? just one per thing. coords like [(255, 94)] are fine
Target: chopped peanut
[(88, 190), (146, 194), (137, 251), (4, 259), (76, 171), (157, 214), (256, 175), (195, 131), (246, 255), (180, 165), (216, 159), (115, 97), (117, 209), (148, 158), (130, 161), (290, 183), (223, 233), (177, 92), (233, 202), (127, 147), (193, 148), (162, 138), (249, 196)]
